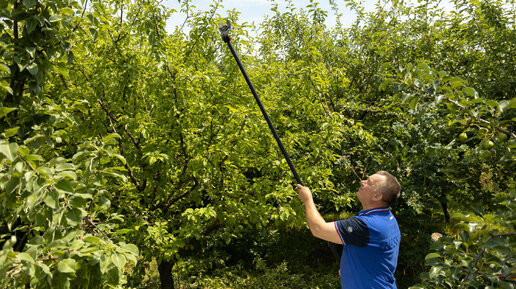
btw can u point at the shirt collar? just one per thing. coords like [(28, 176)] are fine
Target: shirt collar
[(372, 211)]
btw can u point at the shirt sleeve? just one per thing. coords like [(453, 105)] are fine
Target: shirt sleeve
[(353, 231)]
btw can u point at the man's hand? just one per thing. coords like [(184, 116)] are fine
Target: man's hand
[(304, 193)]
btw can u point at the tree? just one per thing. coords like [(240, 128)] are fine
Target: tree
[(55, 221), (201, 164)]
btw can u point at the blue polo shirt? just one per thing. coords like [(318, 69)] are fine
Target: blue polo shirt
[(371, 246)]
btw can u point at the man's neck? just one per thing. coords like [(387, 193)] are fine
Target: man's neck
[(374, 206)]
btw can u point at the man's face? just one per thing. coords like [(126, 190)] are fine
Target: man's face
[(367, 191)]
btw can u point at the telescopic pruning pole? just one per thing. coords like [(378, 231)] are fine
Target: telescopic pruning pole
[(225, 36)]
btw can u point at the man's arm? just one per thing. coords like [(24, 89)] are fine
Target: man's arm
[(318, 226)]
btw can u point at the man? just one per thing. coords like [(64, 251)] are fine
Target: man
[(371, 240)]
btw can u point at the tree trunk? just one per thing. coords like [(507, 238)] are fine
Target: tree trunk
[(165, 274), (444, 206)]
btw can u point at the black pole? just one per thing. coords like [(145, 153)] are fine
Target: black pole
[(225, 36)]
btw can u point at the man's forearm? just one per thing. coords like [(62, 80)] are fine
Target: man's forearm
[(314, 219), (316, 223)]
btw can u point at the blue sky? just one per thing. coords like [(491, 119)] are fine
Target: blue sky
[(255, 10)]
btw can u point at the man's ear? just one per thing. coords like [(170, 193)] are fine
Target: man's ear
[(377, 196)]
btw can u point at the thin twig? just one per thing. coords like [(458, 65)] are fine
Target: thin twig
[(29, 164), (82, 16), (507, 132), (111, 117), (480, 255), (203, 30), (126, 165), (47, 258), (95, 226)]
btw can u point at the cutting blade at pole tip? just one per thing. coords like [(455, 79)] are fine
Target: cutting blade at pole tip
[(224, 29)]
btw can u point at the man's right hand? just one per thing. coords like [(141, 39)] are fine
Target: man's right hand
[(303, 193)]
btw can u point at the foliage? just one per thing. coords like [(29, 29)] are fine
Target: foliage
[(263, 260), (483, 254), (116, 131), (55, 221)]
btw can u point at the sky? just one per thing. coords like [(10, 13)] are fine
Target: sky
[(256, 10)]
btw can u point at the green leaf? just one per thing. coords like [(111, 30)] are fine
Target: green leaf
[(131, 248), (118, 260), (464, 235), (10, 132), (104, 263), (120, 157), (29, 3), (504, 104), (457, 83), (9, 150), (110, 139), (423, 66), (66, 266), (8, 89), (113, 276), (73, 217), (31, 51), (55, 18), (52, 199), (44, 268), (65, 167), (33, 68), (67, 175), (104, 203), (92, 239), (67, 11), (5, 68), (78, 202), (5, 110), (23, 151), (64, 186), (432, 256), (34, 158), (76, 245), (492, 103), (94, 33), (25, 257), (30, 25), (413, 102), (470, 91), (458, 216), (73, 234), (21, 62)]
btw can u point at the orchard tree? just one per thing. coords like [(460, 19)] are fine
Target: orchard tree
[(202, 167), (55, 223)]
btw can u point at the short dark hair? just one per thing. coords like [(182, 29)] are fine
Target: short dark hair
[(389, 187)]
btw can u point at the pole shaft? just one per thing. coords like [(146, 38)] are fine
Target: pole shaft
[(264, 112)]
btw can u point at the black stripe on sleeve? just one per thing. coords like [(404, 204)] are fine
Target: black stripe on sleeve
[(353, 231)]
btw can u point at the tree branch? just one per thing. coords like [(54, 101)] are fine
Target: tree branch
[(203, 30), (139, 187), (177, 198), (507, 132), (113, 119), (82, 16), (29, 164), (479, 255)]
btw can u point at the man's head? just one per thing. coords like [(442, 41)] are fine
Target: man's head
[(380, 189)]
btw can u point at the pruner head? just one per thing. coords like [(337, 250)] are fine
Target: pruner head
[(224, 29)]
